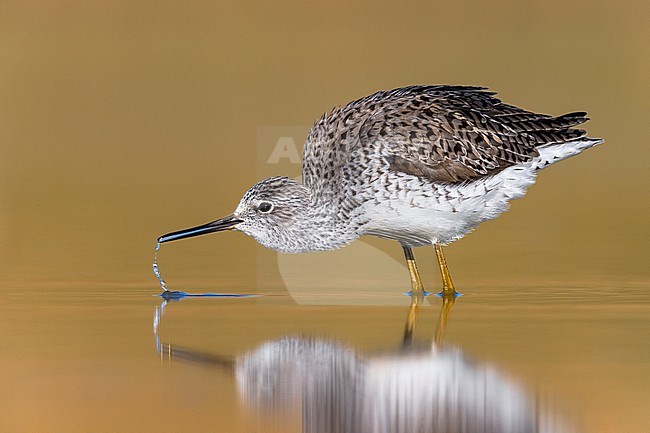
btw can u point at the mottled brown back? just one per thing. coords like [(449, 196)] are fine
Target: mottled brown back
[(446, 134)]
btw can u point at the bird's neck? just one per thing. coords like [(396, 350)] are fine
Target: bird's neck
[(322, 227), (330, 229)]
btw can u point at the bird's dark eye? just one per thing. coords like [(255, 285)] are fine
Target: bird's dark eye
[(265, 207)]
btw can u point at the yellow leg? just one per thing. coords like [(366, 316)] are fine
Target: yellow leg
[(417, 288), (447, 286), (417, 295)]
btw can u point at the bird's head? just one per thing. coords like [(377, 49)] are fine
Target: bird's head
[(274, 211)]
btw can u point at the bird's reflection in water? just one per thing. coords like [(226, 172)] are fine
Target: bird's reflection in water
[(335, 389)]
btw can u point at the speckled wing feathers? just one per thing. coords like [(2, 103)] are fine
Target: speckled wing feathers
[(443, 133)]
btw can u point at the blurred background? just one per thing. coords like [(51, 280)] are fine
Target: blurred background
[(124, 120)]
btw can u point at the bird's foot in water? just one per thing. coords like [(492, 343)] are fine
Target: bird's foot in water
[(446, 294), (410, 293)]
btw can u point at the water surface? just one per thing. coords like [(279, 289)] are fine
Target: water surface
[(574, 358)]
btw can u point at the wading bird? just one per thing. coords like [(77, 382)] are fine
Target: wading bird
[(422, 165)]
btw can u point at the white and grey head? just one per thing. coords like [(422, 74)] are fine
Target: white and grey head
[(281, 214), (272, 210)]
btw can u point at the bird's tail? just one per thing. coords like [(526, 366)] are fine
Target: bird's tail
[(551, 153)]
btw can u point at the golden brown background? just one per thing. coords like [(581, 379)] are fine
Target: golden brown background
[(123, 120)]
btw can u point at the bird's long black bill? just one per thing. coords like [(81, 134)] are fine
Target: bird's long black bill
[(226, 223)]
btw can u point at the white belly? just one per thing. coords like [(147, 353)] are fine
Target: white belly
[(419, 213), (416, 212)]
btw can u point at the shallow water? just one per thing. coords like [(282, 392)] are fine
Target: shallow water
[(120, 359)]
